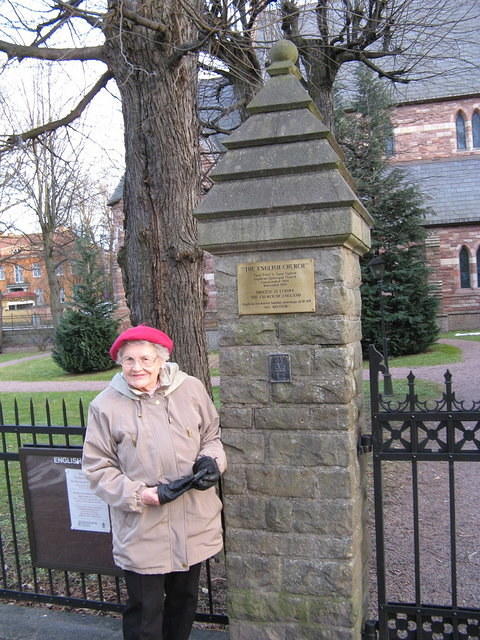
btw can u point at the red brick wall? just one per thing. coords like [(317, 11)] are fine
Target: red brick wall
[(427, 131), (459, 307)]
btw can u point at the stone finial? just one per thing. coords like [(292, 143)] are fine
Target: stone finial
[(283, 58)]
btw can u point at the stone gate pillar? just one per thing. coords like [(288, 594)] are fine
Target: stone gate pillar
[(287, 231)]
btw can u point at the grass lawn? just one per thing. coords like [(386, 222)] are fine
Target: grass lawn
[(47, 369), (425, 389), (438, 353), (452, 335), (15, 355), (25, 401)]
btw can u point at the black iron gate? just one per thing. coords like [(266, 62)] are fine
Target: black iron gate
[(427, 513)]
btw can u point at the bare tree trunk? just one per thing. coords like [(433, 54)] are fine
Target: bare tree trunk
[(50, 267), (161, 260)]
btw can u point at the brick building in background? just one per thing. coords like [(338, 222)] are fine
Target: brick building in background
[(437, 142), (24, 290)]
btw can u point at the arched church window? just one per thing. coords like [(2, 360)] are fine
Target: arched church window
[(461, 131), (476, 129), (478, 267), (464, 268)]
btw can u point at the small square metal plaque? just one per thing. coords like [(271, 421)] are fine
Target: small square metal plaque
[(279, 367)]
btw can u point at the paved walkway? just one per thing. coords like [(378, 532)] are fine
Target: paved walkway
[(19, 622), (23, 386)]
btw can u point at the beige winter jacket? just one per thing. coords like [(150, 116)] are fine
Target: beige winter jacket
[(135, 440)]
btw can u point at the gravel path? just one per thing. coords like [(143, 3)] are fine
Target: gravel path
[(465, 376)]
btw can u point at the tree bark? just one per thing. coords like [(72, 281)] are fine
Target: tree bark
[(161, 259), (50, 266)]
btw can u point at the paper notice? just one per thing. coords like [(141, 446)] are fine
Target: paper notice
[(87, 511)]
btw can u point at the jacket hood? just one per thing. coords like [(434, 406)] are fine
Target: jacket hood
[(170, 378)]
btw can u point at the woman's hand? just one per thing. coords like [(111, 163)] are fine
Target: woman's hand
[(149, 496)]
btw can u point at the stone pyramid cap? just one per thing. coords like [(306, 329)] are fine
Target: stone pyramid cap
[(282, 162)]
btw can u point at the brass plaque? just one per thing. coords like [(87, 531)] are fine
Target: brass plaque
[(287, 286)]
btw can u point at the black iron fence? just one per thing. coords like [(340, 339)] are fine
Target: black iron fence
[(426, 468), (21, 426), (13, 320)]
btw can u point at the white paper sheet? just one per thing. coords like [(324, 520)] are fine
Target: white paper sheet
[(87, 511)]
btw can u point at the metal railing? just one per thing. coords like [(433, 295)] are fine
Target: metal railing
[(21, 426), (425, 462), (13, 320)]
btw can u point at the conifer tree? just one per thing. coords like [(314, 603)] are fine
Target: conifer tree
[(398, 209), (87, 327)]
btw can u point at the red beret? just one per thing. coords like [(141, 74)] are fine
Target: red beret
[(141, 332)]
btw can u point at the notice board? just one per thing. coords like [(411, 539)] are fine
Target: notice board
[(68, 526)]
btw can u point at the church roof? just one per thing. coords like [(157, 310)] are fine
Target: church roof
[(452, 189)]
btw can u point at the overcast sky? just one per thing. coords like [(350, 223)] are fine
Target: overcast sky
[(100, 130)]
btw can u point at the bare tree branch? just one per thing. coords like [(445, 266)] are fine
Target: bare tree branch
[(14, 139), (57, 55), (142, 21)]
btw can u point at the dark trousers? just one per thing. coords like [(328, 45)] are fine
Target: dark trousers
[(161, 606)]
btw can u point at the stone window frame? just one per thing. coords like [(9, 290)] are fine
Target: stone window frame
[(461, 135), (464, 267), (18, 274), (39, 297)]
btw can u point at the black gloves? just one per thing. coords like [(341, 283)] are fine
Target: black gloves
[(210, 475), (172, 490), (205, 475)]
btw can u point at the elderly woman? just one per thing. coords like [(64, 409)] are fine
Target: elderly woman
[(153, 453)]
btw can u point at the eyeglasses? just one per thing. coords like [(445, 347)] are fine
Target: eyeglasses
[(146, 362)]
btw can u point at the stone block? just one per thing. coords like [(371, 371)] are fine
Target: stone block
[(236, 418), (236, 390), (323, 517), (307, 449), (276, 417), (244, 447), (279, 515), (333, 483), (239, 361), (234, 481), (289, 544), (253, 571), (309, 390), (312, 577), (333, 299), (331, 611), (248, 331), (334, 417), (244, 512), (243, 630), (334, 362), (272, 607), (323, 417), (329, 330), (288, 482), (318, 632)]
